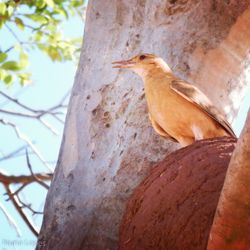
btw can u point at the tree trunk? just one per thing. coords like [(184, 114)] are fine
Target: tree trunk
[(108, 145), (230, 228)]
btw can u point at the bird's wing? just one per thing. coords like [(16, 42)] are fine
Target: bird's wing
[(194, 95)]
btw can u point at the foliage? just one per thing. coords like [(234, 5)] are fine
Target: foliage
[(35, 24)]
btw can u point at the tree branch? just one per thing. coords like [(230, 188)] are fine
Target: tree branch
[(13, 153), (18, 207), (16, 101), (10, 219), (27, 140), (37, 114), (13, 33), (38, 180), (23, 179)]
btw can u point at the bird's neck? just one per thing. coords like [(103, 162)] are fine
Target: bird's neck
[(154, 70), (157, 73)]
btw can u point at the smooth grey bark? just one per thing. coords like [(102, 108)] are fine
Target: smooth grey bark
[(108, 145)]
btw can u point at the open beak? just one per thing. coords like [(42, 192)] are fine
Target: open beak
[(124, 64)]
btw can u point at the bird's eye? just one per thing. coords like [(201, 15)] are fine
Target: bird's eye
[(142, 57)]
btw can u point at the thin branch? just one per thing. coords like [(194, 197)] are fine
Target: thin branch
[(19, 190), (10, 219), (48, 126), (17, 205), (27, 140), (38, 180), (22, 44), (9, 49), (23, 179), (13, 33), (38, 117), (16, 101), (28, 206), (37, 114), (12, 154), (8, 112), (58, 119)]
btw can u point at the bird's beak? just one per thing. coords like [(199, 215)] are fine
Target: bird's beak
[(124, 64)]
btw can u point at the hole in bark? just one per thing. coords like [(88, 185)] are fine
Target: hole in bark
[(70, 177), (187, 67), (137, 35), (125, 94), (71, 208), (172, 1), (41, 242), (142, 97), (104, 179), (94, 111), (107, 125), (135, 134), (97, 14), (127, 43), (105, 114), (121, 152), (93, 155), (88, 97)]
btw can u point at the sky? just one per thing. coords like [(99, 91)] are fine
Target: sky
[(50, 83), (48, 86)]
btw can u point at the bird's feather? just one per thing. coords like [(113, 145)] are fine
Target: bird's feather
[(160, 130), (195, 96)]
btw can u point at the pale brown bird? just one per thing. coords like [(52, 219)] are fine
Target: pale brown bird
[(177, 109)]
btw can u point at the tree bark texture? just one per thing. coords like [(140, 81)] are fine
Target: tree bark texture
[(231, 226), (173, 208), (108, 145)]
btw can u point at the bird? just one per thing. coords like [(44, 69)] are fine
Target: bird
[(178, 110)]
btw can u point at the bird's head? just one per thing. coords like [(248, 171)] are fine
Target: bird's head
[(142, 64)]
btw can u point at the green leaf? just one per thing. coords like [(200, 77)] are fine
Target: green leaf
[(8, 79), (2, 23), (40, 4), (24, 60), (50, 3), (11, 65), (77, 3), (42, 47), (61, 11), (2, 8), (38, 36), (54, 54), (10, 10), (2, 74), (38, 18), (19, 23), (3, 57), (24, 78)]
